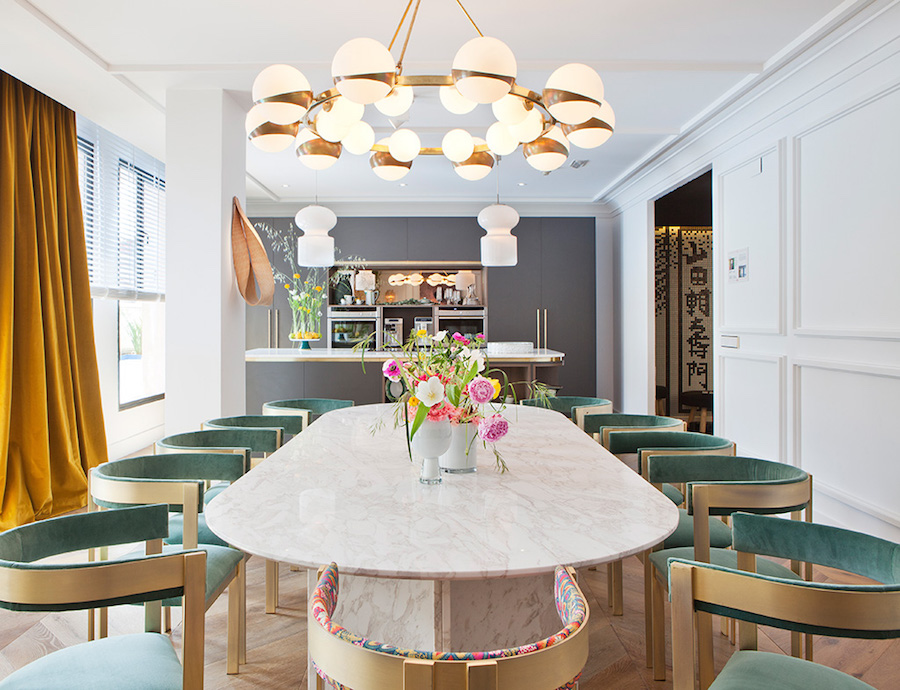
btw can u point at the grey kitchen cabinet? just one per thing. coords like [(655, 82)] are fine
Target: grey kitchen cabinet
[(444, 239), (373, 239), (555, 272)]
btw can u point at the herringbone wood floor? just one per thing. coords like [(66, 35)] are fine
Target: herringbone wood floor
[(277, 643)]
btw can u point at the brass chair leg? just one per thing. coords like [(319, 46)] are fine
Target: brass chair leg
[(242, 657), (232, 663), (271, 586), (167, 619), (705, 650), (104, 622), (658, 639), (614, 587), (648, 607)]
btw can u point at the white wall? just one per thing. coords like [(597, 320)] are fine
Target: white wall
[(805, 170)]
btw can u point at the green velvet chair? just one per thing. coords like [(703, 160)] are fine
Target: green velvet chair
[(141, 660), (633, 447), (700, 590), (716, 486), (179, 480), (287, 424), (575, 407), (243, 441), (601, 425), (310, 409)]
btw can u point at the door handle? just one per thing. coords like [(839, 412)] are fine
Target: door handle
[(545, 329), (277, 327), (538, 330), (268, 328)]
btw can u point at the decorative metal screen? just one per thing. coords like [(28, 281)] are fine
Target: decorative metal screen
[(683, 310)]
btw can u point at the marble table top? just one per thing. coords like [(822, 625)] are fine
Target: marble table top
[(344, 490)]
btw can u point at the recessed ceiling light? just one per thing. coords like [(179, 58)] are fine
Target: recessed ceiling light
[(403, 184), (522, 184), (285, 186)]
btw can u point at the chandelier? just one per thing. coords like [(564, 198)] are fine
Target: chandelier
[(570, 110)]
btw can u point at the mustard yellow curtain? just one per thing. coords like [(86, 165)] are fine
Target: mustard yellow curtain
[(51, 422)]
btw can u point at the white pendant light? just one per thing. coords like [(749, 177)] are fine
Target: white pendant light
[(283, 92), (265, 135), (478, 165), (386, 166), (530, 128), (499, 139), (484, 69), (573, 93), (315, 248), (463, 279), (594, 132), (396, 102), (314, 152), (499, 247), (547, 152), (457, 145), (364, 280), (359, 139), (330, 128), (510, 110), (455, 102), (404, 145), (363, 70)]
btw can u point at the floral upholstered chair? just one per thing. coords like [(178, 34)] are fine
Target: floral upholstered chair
[(351, 662)]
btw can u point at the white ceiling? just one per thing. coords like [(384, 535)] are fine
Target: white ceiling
[(663, 65)]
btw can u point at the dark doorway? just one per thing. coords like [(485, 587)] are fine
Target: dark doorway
[(683, 293)]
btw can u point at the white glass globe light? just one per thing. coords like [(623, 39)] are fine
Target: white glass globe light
[(268, 136), (530, 128), (499, 247), (478, 165), (455, 102), (458, 145), (499, 139), (331, 128), (396, 102), (359, 139), (386, 166), (484, 69), (284, 91), (344, 110), (404, 145), (573, 93), (314, 152), (315, 247), (594, 132), (363, 70), (547, 152), (510, 110)]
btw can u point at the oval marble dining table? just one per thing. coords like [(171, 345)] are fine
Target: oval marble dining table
[(466, 564)]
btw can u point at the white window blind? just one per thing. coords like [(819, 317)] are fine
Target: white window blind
[(123, 194)]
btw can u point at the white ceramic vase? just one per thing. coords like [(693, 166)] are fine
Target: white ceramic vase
[(431, 440), (462, 455)]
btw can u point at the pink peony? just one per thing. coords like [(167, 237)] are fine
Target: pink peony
[(391, 370), (493, 428), (438, 412), (480, 390), (460, 338)]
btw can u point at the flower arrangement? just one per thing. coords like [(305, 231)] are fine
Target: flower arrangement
[(445, 379), (306, 287)]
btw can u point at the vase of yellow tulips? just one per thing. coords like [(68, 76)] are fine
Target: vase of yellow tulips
[(305, 298)]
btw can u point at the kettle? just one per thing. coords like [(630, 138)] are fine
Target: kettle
[(371, 296)]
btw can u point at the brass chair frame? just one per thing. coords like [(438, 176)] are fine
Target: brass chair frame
[(188, 494), (69, 587), (850, 608), (355, 666), (714, 498)]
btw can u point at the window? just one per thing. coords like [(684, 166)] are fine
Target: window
[(123, 192)]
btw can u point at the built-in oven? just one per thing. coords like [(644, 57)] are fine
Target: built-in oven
[(466, 321), (348, 326)]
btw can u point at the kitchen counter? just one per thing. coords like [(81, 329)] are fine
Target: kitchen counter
[(287, 354)]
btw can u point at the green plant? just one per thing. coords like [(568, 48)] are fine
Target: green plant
[(136, 335)]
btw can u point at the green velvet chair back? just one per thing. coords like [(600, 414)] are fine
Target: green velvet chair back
[(647, 443), (310, 409), (288, 423), (601, 425), (700, 590), (575, 407), (233, 440), (29, 586)]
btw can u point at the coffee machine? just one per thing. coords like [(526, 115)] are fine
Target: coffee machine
[(393, 333)]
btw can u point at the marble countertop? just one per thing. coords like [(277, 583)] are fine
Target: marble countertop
[(324, 354), (344, 490)]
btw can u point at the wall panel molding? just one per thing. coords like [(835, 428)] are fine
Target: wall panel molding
[(779, 362)]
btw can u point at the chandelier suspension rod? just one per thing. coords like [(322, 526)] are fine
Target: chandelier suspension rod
[(402, 19), (470, 18), (408, 34)]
